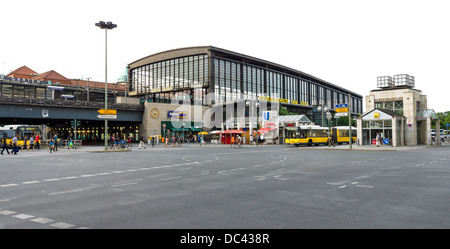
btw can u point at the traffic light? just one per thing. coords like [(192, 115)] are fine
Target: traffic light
[(74, 125)]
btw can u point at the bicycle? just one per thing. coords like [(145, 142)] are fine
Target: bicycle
[(129, 146)]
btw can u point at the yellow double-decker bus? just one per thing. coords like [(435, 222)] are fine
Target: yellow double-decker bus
[(316, 135)]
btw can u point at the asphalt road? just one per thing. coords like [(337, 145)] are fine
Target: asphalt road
[(222, 187)]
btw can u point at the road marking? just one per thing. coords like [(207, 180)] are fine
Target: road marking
[(42, 220), (84, 176), (31, 182), (62, 225), (237, 169), (171, 178), (353, 183), (333, 183), (70, 177), (223, 172), (76, 190), (278, 177), (103, 174), (52, 180), (7, 212), (204, 173), (344, 186), (364, 186), (23, 216), (8, 185), (118, 172), (124, 184)]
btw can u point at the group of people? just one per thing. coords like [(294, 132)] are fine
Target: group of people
[(29, 143), (117, 142)]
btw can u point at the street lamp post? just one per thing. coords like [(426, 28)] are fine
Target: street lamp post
[(322, 109), (251, 104), (106, 26)]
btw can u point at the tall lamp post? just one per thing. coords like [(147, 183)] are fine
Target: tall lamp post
[(322, 109), (106, 26)]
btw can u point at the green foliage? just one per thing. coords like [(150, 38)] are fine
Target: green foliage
[(444, 118), (284, 112), (343, 121)]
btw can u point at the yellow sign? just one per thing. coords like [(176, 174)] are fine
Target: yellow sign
[(107, 112), (295, 102), (342, 109), (376, 115)]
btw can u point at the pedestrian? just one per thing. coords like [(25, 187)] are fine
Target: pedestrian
[(153, 142), (378, 140), (232, 140), (4, 146), (55, 142), (24, 145), (15, 147), (69, 142), (37, 142), (51, 146), (141, 142), (31, 145)]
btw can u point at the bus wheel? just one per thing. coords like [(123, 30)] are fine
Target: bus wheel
[(296, 145), (310, 142)]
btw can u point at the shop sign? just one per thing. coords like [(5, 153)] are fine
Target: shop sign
[(175, 114), (280, 100), (376, 115)]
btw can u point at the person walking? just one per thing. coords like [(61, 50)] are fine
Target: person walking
[(55, 142), (141, 142), (14, 142), (37, 142), (153, 142), (51, 146), (5, 146), (31, 145)]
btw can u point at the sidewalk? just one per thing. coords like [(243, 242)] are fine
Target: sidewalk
[(371, 147)]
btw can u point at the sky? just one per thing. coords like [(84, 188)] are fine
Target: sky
[(347, 42)]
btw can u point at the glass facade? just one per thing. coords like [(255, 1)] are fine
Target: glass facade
[(229, 78), (396, 106), (173, 80)]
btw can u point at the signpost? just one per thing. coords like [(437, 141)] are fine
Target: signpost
[(105, 116), (341, 108), (107, 112)]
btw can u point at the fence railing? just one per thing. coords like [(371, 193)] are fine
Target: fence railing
[(68, 103)]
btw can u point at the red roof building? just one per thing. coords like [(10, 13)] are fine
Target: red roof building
[(25, 72)]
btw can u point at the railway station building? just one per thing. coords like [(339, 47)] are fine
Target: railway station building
[(208, 77)]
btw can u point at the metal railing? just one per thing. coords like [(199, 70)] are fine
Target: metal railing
[(68, 103)]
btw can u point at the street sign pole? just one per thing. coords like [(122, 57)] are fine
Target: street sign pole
[(349, 122), (75, 124)]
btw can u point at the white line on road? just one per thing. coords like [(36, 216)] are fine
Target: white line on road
[(124, 184), (364, 186), (52, 180), (344, 186), (42, 220), (76, 190), (8, 185), (70, 177), (171, 178), (62, 225), (7, 212), (23, 216), (31, 182)]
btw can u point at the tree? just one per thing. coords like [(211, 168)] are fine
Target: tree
[(284, 111), (444, 118), (343, 121)]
